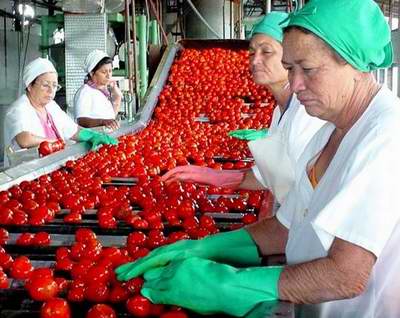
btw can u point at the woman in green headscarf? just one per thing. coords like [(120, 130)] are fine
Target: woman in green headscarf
[(290, 130), (339, 226)]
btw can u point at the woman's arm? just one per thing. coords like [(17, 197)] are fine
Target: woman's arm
[(116, 96), (250, 182), (96, 122), (26, 139), (269, 235), (344, 273)]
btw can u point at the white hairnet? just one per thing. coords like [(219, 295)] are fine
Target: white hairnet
[(93, 59), (36, 68)]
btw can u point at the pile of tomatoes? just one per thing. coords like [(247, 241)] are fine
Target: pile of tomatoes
[(214, 84)]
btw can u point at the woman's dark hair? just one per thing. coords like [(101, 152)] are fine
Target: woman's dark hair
[(335, 55), (103, 61)]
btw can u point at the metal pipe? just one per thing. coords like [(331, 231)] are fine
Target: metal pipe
[(223, 19), (5, 48), (135, 58), (142, 27), (128, 64), (240, 19), (390, 70), (154, 32), (230, 18), (153, 9), (44, 39), (268, 6)]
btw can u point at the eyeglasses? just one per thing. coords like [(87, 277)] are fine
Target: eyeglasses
[(50, 86)]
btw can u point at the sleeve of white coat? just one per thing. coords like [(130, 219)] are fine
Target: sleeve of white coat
[(288, 207), (83, 103), (16, 122), (365, 209)]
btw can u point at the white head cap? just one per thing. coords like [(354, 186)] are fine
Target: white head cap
[(36, 68), (93, 59)]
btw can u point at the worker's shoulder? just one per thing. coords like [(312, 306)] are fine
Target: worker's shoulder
[(84, 92), (19, 105), (383, 113)]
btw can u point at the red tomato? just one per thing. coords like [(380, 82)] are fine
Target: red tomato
[(101, 311), (83, 235), (249, 218), (42, 288), (97, 292), (118, 293), (4, 283), (21, 268), (41, 239), (55, 308), (3, 236), (97, 274), (138, 306), (5, 260), (174, 314), (134, 285)]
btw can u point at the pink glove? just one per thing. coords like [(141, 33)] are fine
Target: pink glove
[(218, 178)]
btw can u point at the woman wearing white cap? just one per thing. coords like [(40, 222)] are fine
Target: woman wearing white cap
[(35, 116), (94, 104)]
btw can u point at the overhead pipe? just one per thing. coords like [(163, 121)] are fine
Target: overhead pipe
[(142, 30), (129, 108), (135, 54), (155, 12), (5, 49)]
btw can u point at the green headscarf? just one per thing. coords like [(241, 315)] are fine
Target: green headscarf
[(272, 25), (355, 29)]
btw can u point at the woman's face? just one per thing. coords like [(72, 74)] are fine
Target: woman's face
[(43, 90), (323, 84), (265, 60), (103, 75)]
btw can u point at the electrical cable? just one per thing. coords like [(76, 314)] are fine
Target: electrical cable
[(202, 19)]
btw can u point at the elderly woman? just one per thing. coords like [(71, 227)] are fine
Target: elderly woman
[(290, 130), (35, 116), (97, 102), (339, 225)]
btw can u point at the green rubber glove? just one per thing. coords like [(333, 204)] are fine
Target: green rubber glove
[(235, 247), (95, 138), (249, 134), (208, 287)]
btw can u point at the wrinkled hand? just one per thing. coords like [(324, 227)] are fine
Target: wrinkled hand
[(235, 247), (209, 287), (249, 134), (219, 178), (115, 90)]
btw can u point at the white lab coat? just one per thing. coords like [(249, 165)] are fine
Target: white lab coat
[(91, 103), (276, 155), (22, 117), (356, 200)]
